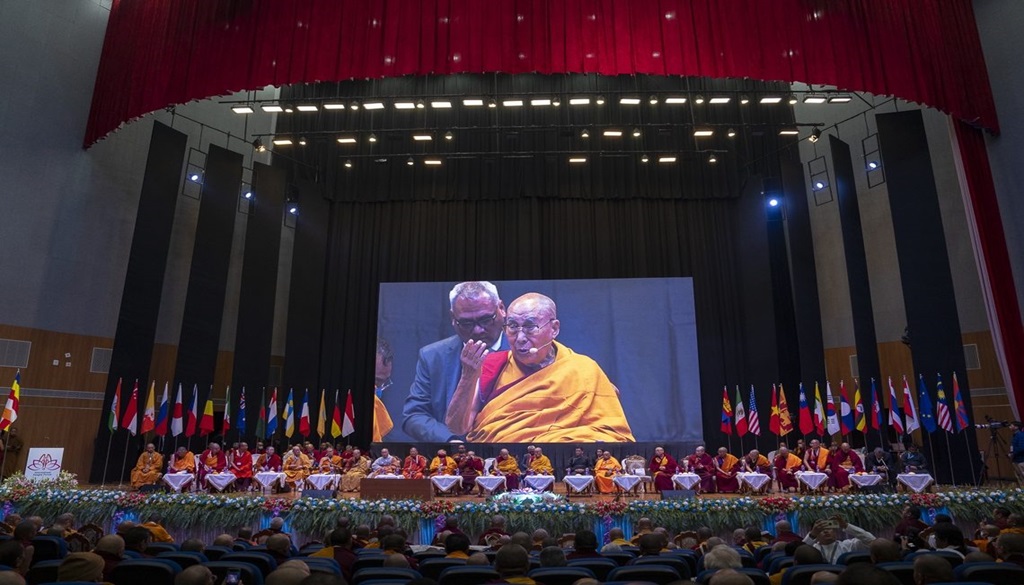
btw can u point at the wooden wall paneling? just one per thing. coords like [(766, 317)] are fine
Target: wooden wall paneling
[(59, 422), (52, 345), (223, 373), (161, 368), (989, 376)]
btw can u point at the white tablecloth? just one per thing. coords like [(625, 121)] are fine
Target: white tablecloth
[(754, 480), (323, 481), (446, 482), (490, 482), (578, 482), (266, 479), (626, 482), (539, 482), (686, 480), (177, 481), (388, 476), (811, 479), (865, 480), (915, 481), (220, 480)]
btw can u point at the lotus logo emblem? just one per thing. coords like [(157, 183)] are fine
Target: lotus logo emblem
[(45, 463)]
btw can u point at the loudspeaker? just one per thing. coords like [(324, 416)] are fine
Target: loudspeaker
[(150, 488), (319, 494), (678, 494)]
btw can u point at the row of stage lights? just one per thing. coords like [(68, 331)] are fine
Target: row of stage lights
[(515, 102), (449, 136)]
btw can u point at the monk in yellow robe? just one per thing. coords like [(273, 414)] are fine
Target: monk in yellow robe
[(726, 466), (296, 467), (540, 464), (605, 469), (442, 464), (356, 469), (330, 463), (147, 470), (786, 465), (505, 464), (539, 391), (382, 423), (415, 465), (183, 461)]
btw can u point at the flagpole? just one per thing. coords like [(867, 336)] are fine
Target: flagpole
[(106, 461), (124, 461)]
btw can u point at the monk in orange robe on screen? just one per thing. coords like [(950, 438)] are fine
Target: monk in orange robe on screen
[(382, 423), (539, 391)]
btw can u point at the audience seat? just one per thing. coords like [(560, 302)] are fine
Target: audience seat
[(472, 575), (148, 571), (321, 565), (251, 574), (762, 552), (954, 559), (264, 561), (389, 573), (42, 572), (852, 557), (620, 558), (214, 553), (156, 548), (679, 564), (560, 575), (756, 575), (996, 573), (779, 564), (309, 549), (431, 568), (600, 567), (185, 558), (429, 554), (801, 574), (48, 548), (661, 575), (133, 554), (903, 570), (368, 562)]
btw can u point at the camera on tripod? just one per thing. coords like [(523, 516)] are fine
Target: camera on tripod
[(993, 424)]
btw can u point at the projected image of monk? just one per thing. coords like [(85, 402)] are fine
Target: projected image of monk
[(539, 390)]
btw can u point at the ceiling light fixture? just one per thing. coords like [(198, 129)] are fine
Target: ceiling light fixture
[(600, 100), (348, 163), (792, 99), (540, 102), (771, 99), (283, 142), (585, 133), (373, 106), (645, 158), (579, 101), (448, 135), (556, 102), (744, 100), (512, 103), (302, 142), (613, 133), (242, 109), (666, 159), (347, 140), (578, 160), (433, 162), (334, 106), (699, 99), (372, 137), (307, 108), (788, 132), (731, 133), (629, 101), (712, 159), (473, 102), (815, 98), (815, 135), (441, 104), (841, 98), (405, 106), (272, 109), (354, 106), (258, 146), (653, 100), (409, 161), (636, 133), (675, 100), (422, 137), (420, 105), (703, 133), (720, 100), (492, 104)]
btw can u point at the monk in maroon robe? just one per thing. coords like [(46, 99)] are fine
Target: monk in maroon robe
[(213, 460), (662, 468), (786, 465), (844, 462), (470, 468), (726, 466), (704, 466)]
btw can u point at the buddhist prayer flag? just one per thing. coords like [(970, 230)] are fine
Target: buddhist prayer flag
[(845, 410), (304, 415), (162, 414), (272, 414), (321, 417), (876, 408), (962, 422), (112, 418), (149, 415), (773, 417), (754, 423), (895, 417), (349, 426), (726, 411), (226, 424), (819, 411), (945, 422), (908, 408), (13, 402), (860, 421), (193, 412), (206, 422), (830, 411), (130, 420), (336, 429), (806, 422), (177, 419), (289, 414), (261, 422), (741, 415), (924, 405), (241, 413), (785, 418)]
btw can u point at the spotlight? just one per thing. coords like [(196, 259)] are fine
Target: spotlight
[(636, 133), (873, 164), (699, 99), (815, 135), (242, 109), (354, 106), (448, 135), (773, 202), (819, 185), (731, 133), (645, 158), (420, 105), (373, 106), (288, 110), (653, 100), (409, 161), (600, 100), (492, 104), (258, 145), (247, 194), (744, 100), (585, 133), (712, 159), (292, 200), (294, 209), (372, 138), (302, 142), (629, 101), (194, 177), (556, 102), (348, 163), (792, 99)]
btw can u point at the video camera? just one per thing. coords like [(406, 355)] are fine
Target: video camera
[(993, 424)]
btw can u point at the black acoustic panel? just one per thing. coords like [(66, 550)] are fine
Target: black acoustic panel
[(254, 332), (211, 255), (143, 284), (786, 339), (856, 273), (932, 318)]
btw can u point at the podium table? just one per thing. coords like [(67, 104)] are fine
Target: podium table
[(323, 481), (266, 479), (539, 482), (917, 482), (178, 481), (756, 481), (446, 484), (811, 479), (627, 482), (489, 483), (686, 480), (863, 480), (220, 481), (576, 484)]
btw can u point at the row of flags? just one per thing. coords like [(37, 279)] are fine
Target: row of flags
[(178, 419), (844, 415)]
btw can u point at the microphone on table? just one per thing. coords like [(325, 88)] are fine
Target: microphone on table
[(534, 350)]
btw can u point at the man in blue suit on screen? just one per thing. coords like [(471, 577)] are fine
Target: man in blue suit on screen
[(478, 317)]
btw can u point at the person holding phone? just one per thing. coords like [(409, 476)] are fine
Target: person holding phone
[(824, 536)]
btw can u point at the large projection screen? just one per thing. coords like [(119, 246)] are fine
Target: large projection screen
[(642, 334)]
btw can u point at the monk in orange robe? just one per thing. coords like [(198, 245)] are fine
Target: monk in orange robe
[(786, 465), (183, 461), (213, 460), (507, 465), (330, 463), (662, 468), (147, 470), (816, 459), (539, 391), (415, 465), (726, 466), (296, 467), (442, 464), (382, 423), (241, 466), (606, 468), (754, 462)]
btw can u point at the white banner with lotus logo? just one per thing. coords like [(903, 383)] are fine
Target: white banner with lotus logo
[(44, 463)]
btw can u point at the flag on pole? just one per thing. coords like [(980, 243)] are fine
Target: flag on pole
[(206, 422), (945, 422), (336, 417), (785, 418), (726, 412), (924, 406), (806, 422), (741, 415), (161, 414), (13, 402), (304, 415), (321, 417), (289, 414), (349, 426), (177, 422), (773, 417), (819, 411), (830, 411), (860, 421), (192, 417), (130, 420), (895, 417), (241, 413), (845, 410), (754, 423), (876, 408), (226, 424), (962, 422), (909, 412), (149, 415), (272, 414), (115, 405), (261, 422)]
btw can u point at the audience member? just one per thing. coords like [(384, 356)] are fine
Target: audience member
[(138, 539), (911, 520), (823, 578), (11, 578), (552, 556), (824, 537), (110, 548), (784, 532), (884, 550), (225, 540), (722, 557), (617, 537), (1010, 548), (193, 545), (478, 559), (932, 569), (497, 527), (159, 533), (866, 573), (730, 577), (12, 554), (513, 562), (584, 545), (195, 575), (339, 548), (803, 554), (288, 573), (456, 546), (80, 566), (280, 547)]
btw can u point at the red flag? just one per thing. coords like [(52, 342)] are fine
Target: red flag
[(130, 418), (806, 423), (350, 417), (785, 418), (726, 412), (773, 418)]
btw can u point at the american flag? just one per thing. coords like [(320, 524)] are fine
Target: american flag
[(945, 422), (753, 424)]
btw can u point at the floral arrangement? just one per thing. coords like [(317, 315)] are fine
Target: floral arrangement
[(437, 508), (528, 496), (612, 508), (17, 481), (928, 500), (773, 505)]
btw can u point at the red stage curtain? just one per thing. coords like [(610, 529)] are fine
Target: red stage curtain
[(160, 53)]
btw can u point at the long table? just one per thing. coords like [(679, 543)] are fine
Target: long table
[(389, 489)]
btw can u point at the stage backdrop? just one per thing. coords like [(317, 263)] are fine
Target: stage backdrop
[(642, 332)]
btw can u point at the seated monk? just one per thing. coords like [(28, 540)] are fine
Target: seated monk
[(241, 466), (356, 469), (442, 464), (786, 465), (605, 469), (382, 423), (470, 468), (507, 465), (844, 462), (662, 468), (540, 464), (415, 465), (726, 466), (540, 390), (213, 460), (754, 462), (183, 461), (296, 467), (386, 464), (269, 460), (147, 470), (330, 463), (703, 465), (816, 459)]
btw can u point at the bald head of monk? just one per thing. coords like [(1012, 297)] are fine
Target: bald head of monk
[(531, 324)]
